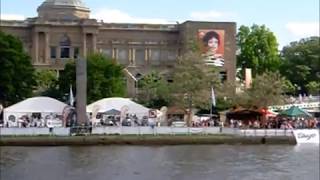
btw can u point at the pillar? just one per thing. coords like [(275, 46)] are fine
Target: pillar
[(35, 47), (47, 48)]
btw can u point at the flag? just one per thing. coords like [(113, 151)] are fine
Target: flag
[(213, 97), (71, 98)]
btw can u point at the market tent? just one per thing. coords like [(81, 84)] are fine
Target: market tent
[(124, 105), (295, 111), (244, 114), (112, 112), (42, 105)]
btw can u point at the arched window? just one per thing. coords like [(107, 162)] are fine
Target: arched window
[(65, 44)]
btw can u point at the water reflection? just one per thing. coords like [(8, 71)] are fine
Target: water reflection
[(160, 162)]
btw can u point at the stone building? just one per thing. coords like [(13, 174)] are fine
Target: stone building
[(63, 30)]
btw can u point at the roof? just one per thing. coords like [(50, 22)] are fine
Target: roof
[(37, 104), (73, 3)]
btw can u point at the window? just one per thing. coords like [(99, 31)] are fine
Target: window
[(76, 53), (123, 57), (65, 52), (107, 52), (154, 56), (172, 55), (65, 44), (53, 52), (139, 56)]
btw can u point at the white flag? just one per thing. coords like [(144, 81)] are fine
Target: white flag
[(213, 97), (71, 98)]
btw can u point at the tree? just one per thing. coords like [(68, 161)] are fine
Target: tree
[(104, 78), (266, 89), (17, 78), (154, 90), (313, 87), (258, 49), (301, 62), (46, 80), (192, 81)]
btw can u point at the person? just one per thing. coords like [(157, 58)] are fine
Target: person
[(212, 42)]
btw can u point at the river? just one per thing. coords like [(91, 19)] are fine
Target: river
[(221, 162)]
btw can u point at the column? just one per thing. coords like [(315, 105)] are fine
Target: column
[(84, 45), (35, 47), (47, 48), (94, 43)]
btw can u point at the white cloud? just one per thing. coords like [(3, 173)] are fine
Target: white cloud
[(117, 16), (12, 17), (212, 16), (303, 29)]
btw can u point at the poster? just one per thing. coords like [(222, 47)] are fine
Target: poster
[(212, 46)]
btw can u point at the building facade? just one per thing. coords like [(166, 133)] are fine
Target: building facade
[(63, 31)]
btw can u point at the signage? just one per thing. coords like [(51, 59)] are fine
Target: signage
[(307, 136)]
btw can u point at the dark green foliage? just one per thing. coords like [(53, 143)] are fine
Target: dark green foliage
[(105, 78), (301, 64), (258, 49), (17, 78)]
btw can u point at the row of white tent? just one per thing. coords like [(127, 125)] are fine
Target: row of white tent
[(47, 105)]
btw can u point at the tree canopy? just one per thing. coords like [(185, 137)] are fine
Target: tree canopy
[(258, 49), (104, 78), (154, 90), (301, 64), (193, 80), (17, 77)]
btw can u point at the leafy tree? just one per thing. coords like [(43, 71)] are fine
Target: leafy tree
[(192, 82), (266, 89), (46, 80), (313, 87), (301, 62), (104, 78), (154, 90), (17, 79), (258, 49)]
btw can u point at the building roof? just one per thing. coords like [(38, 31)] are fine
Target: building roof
[(70, 3)]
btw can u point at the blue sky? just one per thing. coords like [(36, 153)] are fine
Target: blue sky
[(290, 20)]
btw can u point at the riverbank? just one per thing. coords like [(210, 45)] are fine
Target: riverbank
[(141, 140)]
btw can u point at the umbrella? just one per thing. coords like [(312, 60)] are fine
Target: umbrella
[(295, 111)]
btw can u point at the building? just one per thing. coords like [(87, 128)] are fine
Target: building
[(63, 31)]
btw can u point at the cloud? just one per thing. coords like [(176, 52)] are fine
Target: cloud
[(212, 16), (117, 16), (12, 17), (303, 29)]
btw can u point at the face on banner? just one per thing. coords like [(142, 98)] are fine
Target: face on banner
[(212, 46)]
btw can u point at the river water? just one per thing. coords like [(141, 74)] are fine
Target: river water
[(205, 162)]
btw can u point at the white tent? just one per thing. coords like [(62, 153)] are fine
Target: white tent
[(120, 104), (43, 105)]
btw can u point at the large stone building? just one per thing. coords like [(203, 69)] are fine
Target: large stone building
[(63, 30)]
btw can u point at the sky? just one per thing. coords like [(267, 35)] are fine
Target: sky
[(289, 20)]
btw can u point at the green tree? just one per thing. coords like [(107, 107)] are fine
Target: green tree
[(258, 49), (46, 80), (17, 78), (313, 87), (104, 78), (154, 91), (192, 81), (301, 62), (266, 89)]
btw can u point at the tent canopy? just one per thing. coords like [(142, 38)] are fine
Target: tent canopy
[(295, 111), (119, 104), (112, 112), (37, 104)]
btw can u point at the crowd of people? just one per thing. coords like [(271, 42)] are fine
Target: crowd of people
[(276, 123)]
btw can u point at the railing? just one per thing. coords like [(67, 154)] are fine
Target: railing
[(123, 130)]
